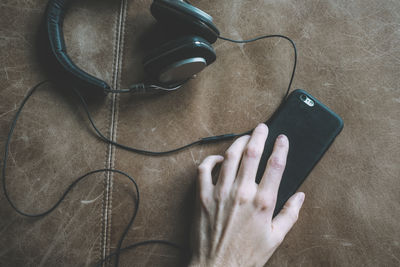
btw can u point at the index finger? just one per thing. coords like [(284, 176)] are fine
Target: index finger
[(252, 155), (269, 185)]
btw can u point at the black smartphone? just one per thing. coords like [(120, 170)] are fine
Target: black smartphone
[(311, 127)]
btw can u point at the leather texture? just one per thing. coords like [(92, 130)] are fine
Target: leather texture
[(348, 59)]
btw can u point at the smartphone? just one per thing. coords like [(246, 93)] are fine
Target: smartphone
[(311, 127)]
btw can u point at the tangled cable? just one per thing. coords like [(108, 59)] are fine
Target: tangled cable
[(119, 248)]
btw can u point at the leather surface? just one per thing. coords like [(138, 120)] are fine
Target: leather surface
[(52, 143), (348, 59)]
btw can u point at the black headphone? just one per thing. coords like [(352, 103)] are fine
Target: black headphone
[(168, 66)]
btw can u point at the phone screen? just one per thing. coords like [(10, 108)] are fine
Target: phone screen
[(311, 127)]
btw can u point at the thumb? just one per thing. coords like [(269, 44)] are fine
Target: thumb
[(288, 216)]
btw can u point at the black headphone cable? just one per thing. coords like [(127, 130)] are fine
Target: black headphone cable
[(143, 87), (205, 140), (119, 248), (272, 36)]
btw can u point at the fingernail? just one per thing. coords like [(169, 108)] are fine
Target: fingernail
[(282, 138), (300, 197), (263, 125)]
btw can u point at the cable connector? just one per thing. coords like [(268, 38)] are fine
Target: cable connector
[(217, 138), (140, 88)]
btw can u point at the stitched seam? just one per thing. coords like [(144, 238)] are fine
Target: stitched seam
[(104, 241), (116, 85), (104, 203), (104, 208), (119, 30), (104, 215)]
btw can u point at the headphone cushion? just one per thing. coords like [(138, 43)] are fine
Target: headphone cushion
[(176, 50), (187, 18)]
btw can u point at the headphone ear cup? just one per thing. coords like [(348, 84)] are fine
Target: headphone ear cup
[(185, 17), (178, 60)]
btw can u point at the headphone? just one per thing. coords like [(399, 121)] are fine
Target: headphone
[(168, 66)]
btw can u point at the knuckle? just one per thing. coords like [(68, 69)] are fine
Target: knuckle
[(276, 163), (230, 154), (265, 202), (253, 151), (221, 194), (243, 196), (202, 168), (294, 216), (205, 199), (291, 214), (205, 166), (262, 205)]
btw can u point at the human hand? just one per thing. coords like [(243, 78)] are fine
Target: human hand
[(233, 222)]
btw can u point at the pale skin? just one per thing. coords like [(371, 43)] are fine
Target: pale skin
[(233, 224)]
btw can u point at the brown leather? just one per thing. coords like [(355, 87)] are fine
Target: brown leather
[(348, 58)]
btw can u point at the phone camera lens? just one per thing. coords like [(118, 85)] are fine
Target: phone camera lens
[(308, 101)]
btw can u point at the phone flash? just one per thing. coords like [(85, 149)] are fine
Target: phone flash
[(307, 100)]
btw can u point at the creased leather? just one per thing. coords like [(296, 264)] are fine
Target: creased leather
[(348, 59), (52, 143)]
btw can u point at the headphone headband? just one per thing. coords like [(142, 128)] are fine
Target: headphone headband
[(55, 13)]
